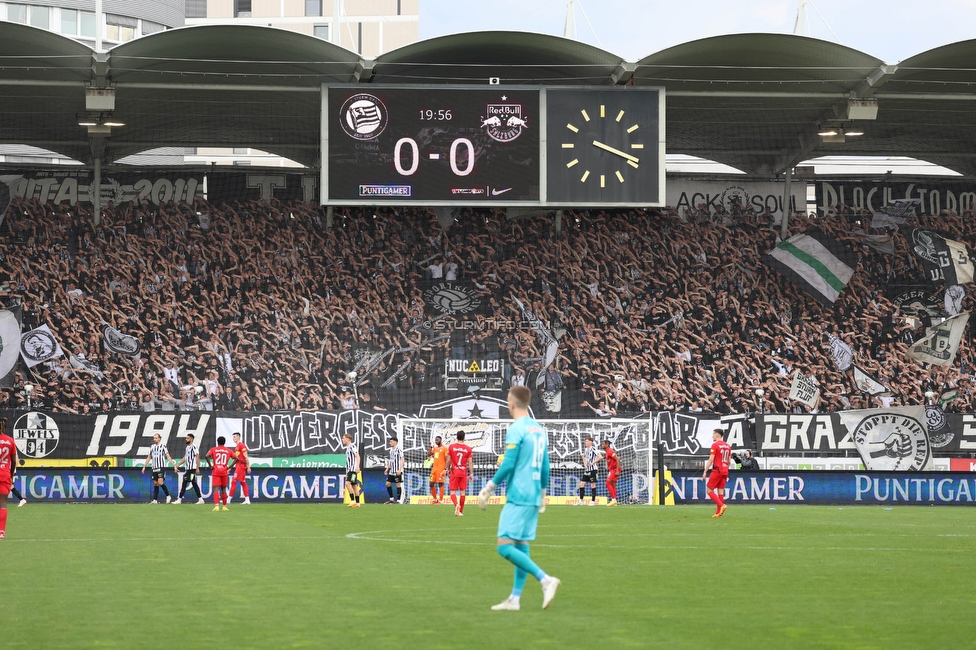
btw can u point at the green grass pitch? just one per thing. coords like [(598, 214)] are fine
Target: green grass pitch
[(316, 576)]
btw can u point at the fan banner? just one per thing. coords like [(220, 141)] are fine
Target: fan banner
[(891, 439), (944, 260), (688, 196), (941, 342), (841, 353), (928, 197), (119, 343), (39, 345), (9, 342), (868, 384), (804, 390), (820, 265)]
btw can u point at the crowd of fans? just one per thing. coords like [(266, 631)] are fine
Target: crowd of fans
[(268, 306)]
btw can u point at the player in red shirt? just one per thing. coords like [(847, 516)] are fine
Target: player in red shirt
[(241, 469), (613, 471), (718, 462), (8, 467), (221, 459), (460, 461)]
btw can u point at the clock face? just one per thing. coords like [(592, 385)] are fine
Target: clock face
[(603, 147)]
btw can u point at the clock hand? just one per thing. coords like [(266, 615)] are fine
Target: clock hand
[(627, 156)]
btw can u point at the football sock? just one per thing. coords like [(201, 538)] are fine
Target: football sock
[(196, 488), (3, 519), (582, 493), (716, 498), (247, 491), (433, 491), (612, 491), (454, 499), (441, 490), (593, 493), (389, 490), (155, 493), (515, 555), (216, 494), (398, 493), (520, 574), (165, 489), (461, 499), (721, 499), (14, 491)]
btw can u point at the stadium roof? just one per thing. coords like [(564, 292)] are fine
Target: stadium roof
[(752, 101)]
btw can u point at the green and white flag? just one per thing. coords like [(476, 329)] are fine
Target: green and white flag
[(818, 264), (9, 341)]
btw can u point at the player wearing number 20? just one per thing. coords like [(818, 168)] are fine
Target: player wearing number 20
[(718, 462), (525, 469)]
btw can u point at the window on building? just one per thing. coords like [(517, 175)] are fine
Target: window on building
[(120, 28), (149, 27), (321, 31), (69, 22), (239, 151), (196, 8), (17, 13), (242, 8), (87, 24), (313, 7), (242, 163), (40, 17)]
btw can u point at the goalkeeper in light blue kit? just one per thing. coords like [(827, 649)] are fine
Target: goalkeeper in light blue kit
[(526, 470)]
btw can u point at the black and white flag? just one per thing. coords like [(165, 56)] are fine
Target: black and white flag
[(39, 345), (944, 260), (895, 214), (804, 390), (941, 342), (953, 299), (841, 353), (6, 193), (892, 439), (119, 343), (868, 384), (818, 264)]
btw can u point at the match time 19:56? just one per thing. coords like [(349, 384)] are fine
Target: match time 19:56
[(435, 115)]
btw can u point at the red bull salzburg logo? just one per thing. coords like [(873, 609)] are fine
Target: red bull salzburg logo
[(504, 122)]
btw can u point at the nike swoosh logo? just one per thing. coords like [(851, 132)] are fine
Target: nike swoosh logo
[(497, 192)]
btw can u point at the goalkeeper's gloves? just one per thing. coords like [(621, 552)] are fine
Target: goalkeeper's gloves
[(485, 494), (542, 508)]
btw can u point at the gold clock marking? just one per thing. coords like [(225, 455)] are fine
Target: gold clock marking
[(619, 115), (603, 110), (572, 128), (586, 175), (603, 180), (633, 164), (633, 146), (572, 162), (620, 177), (585, 116), (617, 152), (568, 145), (633, 128)]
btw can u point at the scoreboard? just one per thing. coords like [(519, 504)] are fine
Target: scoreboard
[(492, 146)]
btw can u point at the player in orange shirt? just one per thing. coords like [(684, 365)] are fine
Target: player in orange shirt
[(438, 470)]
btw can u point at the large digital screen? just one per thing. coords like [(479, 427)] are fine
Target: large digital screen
[(432, 145), (493, 146)]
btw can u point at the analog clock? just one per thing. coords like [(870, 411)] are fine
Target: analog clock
[(603, 146)]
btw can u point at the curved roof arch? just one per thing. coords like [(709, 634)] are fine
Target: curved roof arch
[(513, 57), (232, 54)]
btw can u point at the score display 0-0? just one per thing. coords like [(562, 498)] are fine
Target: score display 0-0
[(483, 146)]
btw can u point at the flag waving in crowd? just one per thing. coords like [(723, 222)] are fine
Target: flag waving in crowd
[(819, 265), (944, 260), (941, 342)]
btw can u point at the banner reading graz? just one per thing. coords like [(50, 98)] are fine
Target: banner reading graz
[(935, 196), (72, 186), (779, 433)]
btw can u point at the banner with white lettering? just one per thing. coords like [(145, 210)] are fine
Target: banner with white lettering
[(74, 185), (730, 197), (893, 439)]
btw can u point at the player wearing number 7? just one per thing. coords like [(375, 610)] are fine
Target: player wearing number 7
[(525, 469), (718, 462)]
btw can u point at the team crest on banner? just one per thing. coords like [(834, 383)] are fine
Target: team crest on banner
[(940, 434), (452, 298), (36, 435), (39, 345), (504, 122), (116, 341), (890, 440), (841, 353)]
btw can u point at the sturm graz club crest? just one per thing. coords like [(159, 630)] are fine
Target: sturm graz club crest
[(504, 122), (36, 435), (452, 298), (940, 434), (892, 442), (363, 116)]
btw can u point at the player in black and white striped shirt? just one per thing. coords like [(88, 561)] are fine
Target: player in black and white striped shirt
[(394, 470), (158, 455), (192, 459), (591, 456), (352, 470)]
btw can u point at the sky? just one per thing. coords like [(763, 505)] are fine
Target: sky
[(891, 30)]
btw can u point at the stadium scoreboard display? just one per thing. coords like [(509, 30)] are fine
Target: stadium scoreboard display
[(492, 146)]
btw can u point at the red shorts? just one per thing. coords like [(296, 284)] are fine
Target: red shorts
[(5, 482), (716, 481), (612, 477), (240, 474), (219, 481), (459, 482)]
